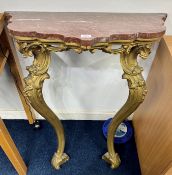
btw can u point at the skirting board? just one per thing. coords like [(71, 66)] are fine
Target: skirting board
[(61, 115)]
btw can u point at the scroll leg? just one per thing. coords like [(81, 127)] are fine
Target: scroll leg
[(33, 91), (137, 92)]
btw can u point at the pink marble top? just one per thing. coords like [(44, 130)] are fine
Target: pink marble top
[(86, 27)]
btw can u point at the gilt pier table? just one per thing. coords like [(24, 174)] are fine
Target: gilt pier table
[(40, 33)]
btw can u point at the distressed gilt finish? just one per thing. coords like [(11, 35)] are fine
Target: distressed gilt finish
[(137, 92), (33, 91), (38, 34), (41, 49)]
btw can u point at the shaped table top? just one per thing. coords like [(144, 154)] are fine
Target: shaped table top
[(86, 27)]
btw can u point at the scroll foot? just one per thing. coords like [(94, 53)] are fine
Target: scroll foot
[(114, 161), (59, 160)]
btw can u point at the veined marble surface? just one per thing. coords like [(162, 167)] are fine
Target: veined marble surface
[(86, 28)]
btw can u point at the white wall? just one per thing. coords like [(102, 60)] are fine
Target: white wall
[(82, 86)]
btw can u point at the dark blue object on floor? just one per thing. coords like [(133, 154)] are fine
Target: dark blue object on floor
[(85, 144), (123, 133)]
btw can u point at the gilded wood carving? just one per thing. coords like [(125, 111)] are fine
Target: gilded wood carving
[(41, 49)]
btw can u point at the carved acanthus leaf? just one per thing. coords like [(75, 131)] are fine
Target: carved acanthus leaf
[(128, 51), (27, 47)]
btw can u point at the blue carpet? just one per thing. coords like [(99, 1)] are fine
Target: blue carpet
[(85, 145)]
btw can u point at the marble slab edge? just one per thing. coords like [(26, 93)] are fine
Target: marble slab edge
[(85, 42)]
